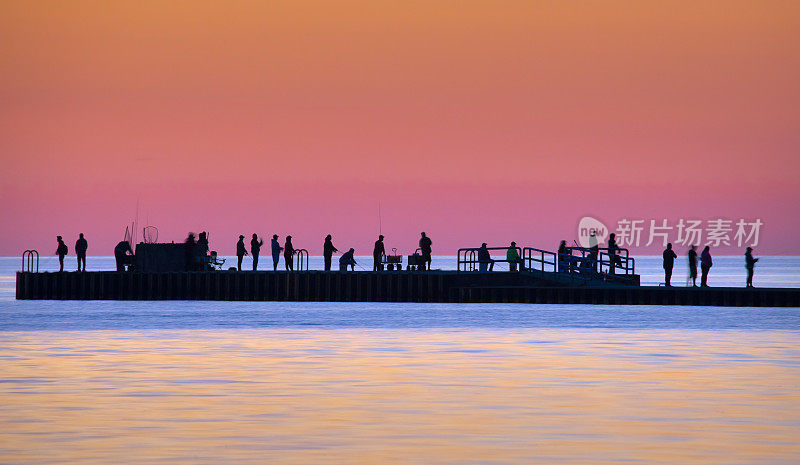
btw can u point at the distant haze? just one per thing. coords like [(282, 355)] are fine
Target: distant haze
[(472, 121)]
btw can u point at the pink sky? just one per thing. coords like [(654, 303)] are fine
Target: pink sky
[(473, 121)]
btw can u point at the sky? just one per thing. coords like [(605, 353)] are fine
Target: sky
[(472, 121)]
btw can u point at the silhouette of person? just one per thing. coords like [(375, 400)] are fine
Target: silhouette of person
[(80, 250), (594, 250), (485, 262), (612, 253), (123, 254), (693, 265), (276, 252), (669, 261), (241, 251), (561, 256), (347, 259), (61, 251), (327, 251), (512, 257), (749, 264), (425, 246), (288, 253), (705, 266), (190, 246), (377, 254), (255, 249), (201, 251)]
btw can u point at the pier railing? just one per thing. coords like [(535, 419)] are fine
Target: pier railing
[(539, 260), (28, 261), (585, 261), (301, 260)]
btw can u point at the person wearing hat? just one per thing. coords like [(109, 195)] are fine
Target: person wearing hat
[(750, 264), (61, 251), (276, 252), (377, 254), (241, 251)]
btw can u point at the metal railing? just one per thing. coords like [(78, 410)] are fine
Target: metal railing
[(27, 265), (600, 261), (468, 258), (301, 257), (539, 260)]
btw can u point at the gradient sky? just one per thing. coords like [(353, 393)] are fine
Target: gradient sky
[(473, 121)]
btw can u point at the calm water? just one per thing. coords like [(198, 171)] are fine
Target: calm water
[(302, 383)]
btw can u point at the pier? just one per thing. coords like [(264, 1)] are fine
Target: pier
[(380, 286)]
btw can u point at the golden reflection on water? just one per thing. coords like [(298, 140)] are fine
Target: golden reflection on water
[(397, 396)]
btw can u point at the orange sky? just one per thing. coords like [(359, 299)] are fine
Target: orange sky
[(475, 121)]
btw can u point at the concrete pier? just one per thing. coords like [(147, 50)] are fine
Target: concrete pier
[(368, 286)]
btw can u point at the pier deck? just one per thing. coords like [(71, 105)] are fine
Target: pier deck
[(386, 286)]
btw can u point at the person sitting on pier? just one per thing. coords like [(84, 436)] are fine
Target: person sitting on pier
[(347, 259), (377, 254), (241, 251), (255, 249), (123, 254), (276, 252), (288, 254), (705, 266), (512, 256), (327, 251), (749, 264), (61, 251), (425, 243), (80, 249), (485, 262), (669, 260), (693, 265)]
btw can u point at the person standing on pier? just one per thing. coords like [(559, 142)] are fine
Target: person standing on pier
[(327, 251), (241, 251), (561, 256), (347, 259), (750, 264), (693, 265), (61, 251), (276, 252), (255, 249), (705, 265), (80, 250), (669, 261), (425, 246), (485, 262), (377, 254), (288, 254), (612, 253), (512, 257), (190, 249)]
